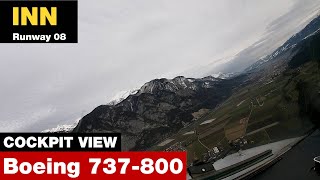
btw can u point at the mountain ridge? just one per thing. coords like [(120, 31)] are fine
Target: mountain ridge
[(311, 29), (160, 108)]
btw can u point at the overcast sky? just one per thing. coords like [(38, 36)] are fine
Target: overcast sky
[(124, 43)]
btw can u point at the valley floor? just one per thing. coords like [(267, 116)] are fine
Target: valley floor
[(266, 111)]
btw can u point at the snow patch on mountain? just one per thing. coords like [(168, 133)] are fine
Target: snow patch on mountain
[(122, 95), (312, 34), (63, 128), (221, 75)]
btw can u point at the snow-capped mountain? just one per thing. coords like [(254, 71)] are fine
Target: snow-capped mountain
[(173, 85), (159, 108), (178, 84), (310, 30), (122, 95), (62, 128)]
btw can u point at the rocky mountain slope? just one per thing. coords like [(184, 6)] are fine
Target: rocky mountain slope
[(159, 109)]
